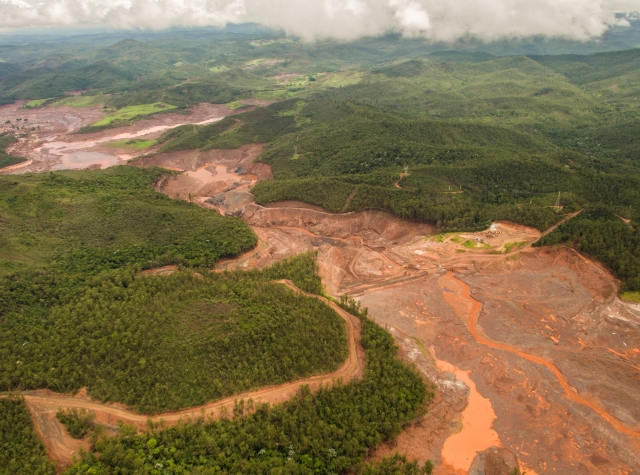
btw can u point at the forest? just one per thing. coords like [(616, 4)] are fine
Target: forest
[(460, 140), (77, 312), (605, 236), (328, 431), (22, 451)]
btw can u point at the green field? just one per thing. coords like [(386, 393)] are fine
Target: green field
[(6, 160), (631, 296), (131, 112), (35, 104), (83, 101), (133, 144)]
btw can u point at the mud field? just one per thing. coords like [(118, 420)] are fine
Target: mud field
[(48, 140), (529, 349)]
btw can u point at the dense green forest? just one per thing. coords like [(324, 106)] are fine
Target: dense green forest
[(77, 312), (21, 451), (329, 431), (6, 159), (459, 140), (88, 222), (166, 343)]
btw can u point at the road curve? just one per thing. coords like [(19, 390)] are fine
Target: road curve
[(474, 308), (44, 404)]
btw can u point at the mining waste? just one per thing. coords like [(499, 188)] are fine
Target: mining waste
[(534, 359)]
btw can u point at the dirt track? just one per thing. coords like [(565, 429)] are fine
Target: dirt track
[(43, 405), (538, 332)]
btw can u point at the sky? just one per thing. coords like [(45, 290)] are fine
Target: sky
[(441, 20)]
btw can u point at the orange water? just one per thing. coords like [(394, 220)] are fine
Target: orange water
[(477, 433)]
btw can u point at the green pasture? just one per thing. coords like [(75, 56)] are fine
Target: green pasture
[(131, 112)]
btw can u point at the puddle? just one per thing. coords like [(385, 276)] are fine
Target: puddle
[(477, 434), (84, 159)]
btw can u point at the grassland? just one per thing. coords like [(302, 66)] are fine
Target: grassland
[(132, 144), (6, 160), (133, 112), (631, 296), (83, 101), (37, 103)]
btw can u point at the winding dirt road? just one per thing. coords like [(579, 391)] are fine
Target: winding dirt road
[(458, 296), (61, 447)]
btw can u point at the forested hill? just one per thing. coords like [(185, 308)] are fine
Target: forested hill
[(76, 311), (456, 139)]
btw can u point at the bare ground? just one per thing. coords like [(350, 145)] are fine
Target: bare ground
[(538, 333), (55, 145)]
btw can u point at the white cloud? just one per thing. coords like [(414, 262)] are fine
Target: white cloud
[(343, 19)]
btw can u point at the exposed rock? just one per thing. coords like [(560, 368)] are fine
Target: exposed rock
[(495, 461), (215, 200), (234, 213)]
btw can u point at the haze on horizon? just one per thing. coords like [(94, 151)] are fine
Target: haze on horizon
[(338, 19)]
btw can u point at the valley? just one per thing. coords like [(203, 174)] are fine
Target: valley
[(290, 262), (530, 330)]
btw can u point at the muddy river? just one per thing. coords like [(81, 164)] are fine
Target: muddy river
[(528, 350)]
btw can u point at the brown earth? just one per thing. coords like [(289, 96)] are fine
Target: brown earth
[(44, 404), (557, 355), (534, 336), (50, 146), (553, 350)]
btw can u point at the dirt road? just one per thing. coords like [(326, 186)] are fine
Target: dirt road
[(43, 404)]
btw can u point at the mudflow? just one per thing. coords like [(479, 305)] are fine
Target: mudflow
[(529, 350)]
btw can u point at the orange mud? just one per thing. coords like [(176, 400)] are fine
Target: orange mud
[(460, 299), (477, 434)]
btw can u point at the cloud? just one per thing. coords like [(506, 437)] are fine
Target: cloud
[(341, 19)]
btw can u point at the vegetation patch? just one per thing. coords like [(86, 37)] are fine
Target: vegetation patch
[(630, 296), (513, 246), (37, 103), (21, 451), (77, 422), (131, 112), (83, 101), (6, 160), (135, 144)]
